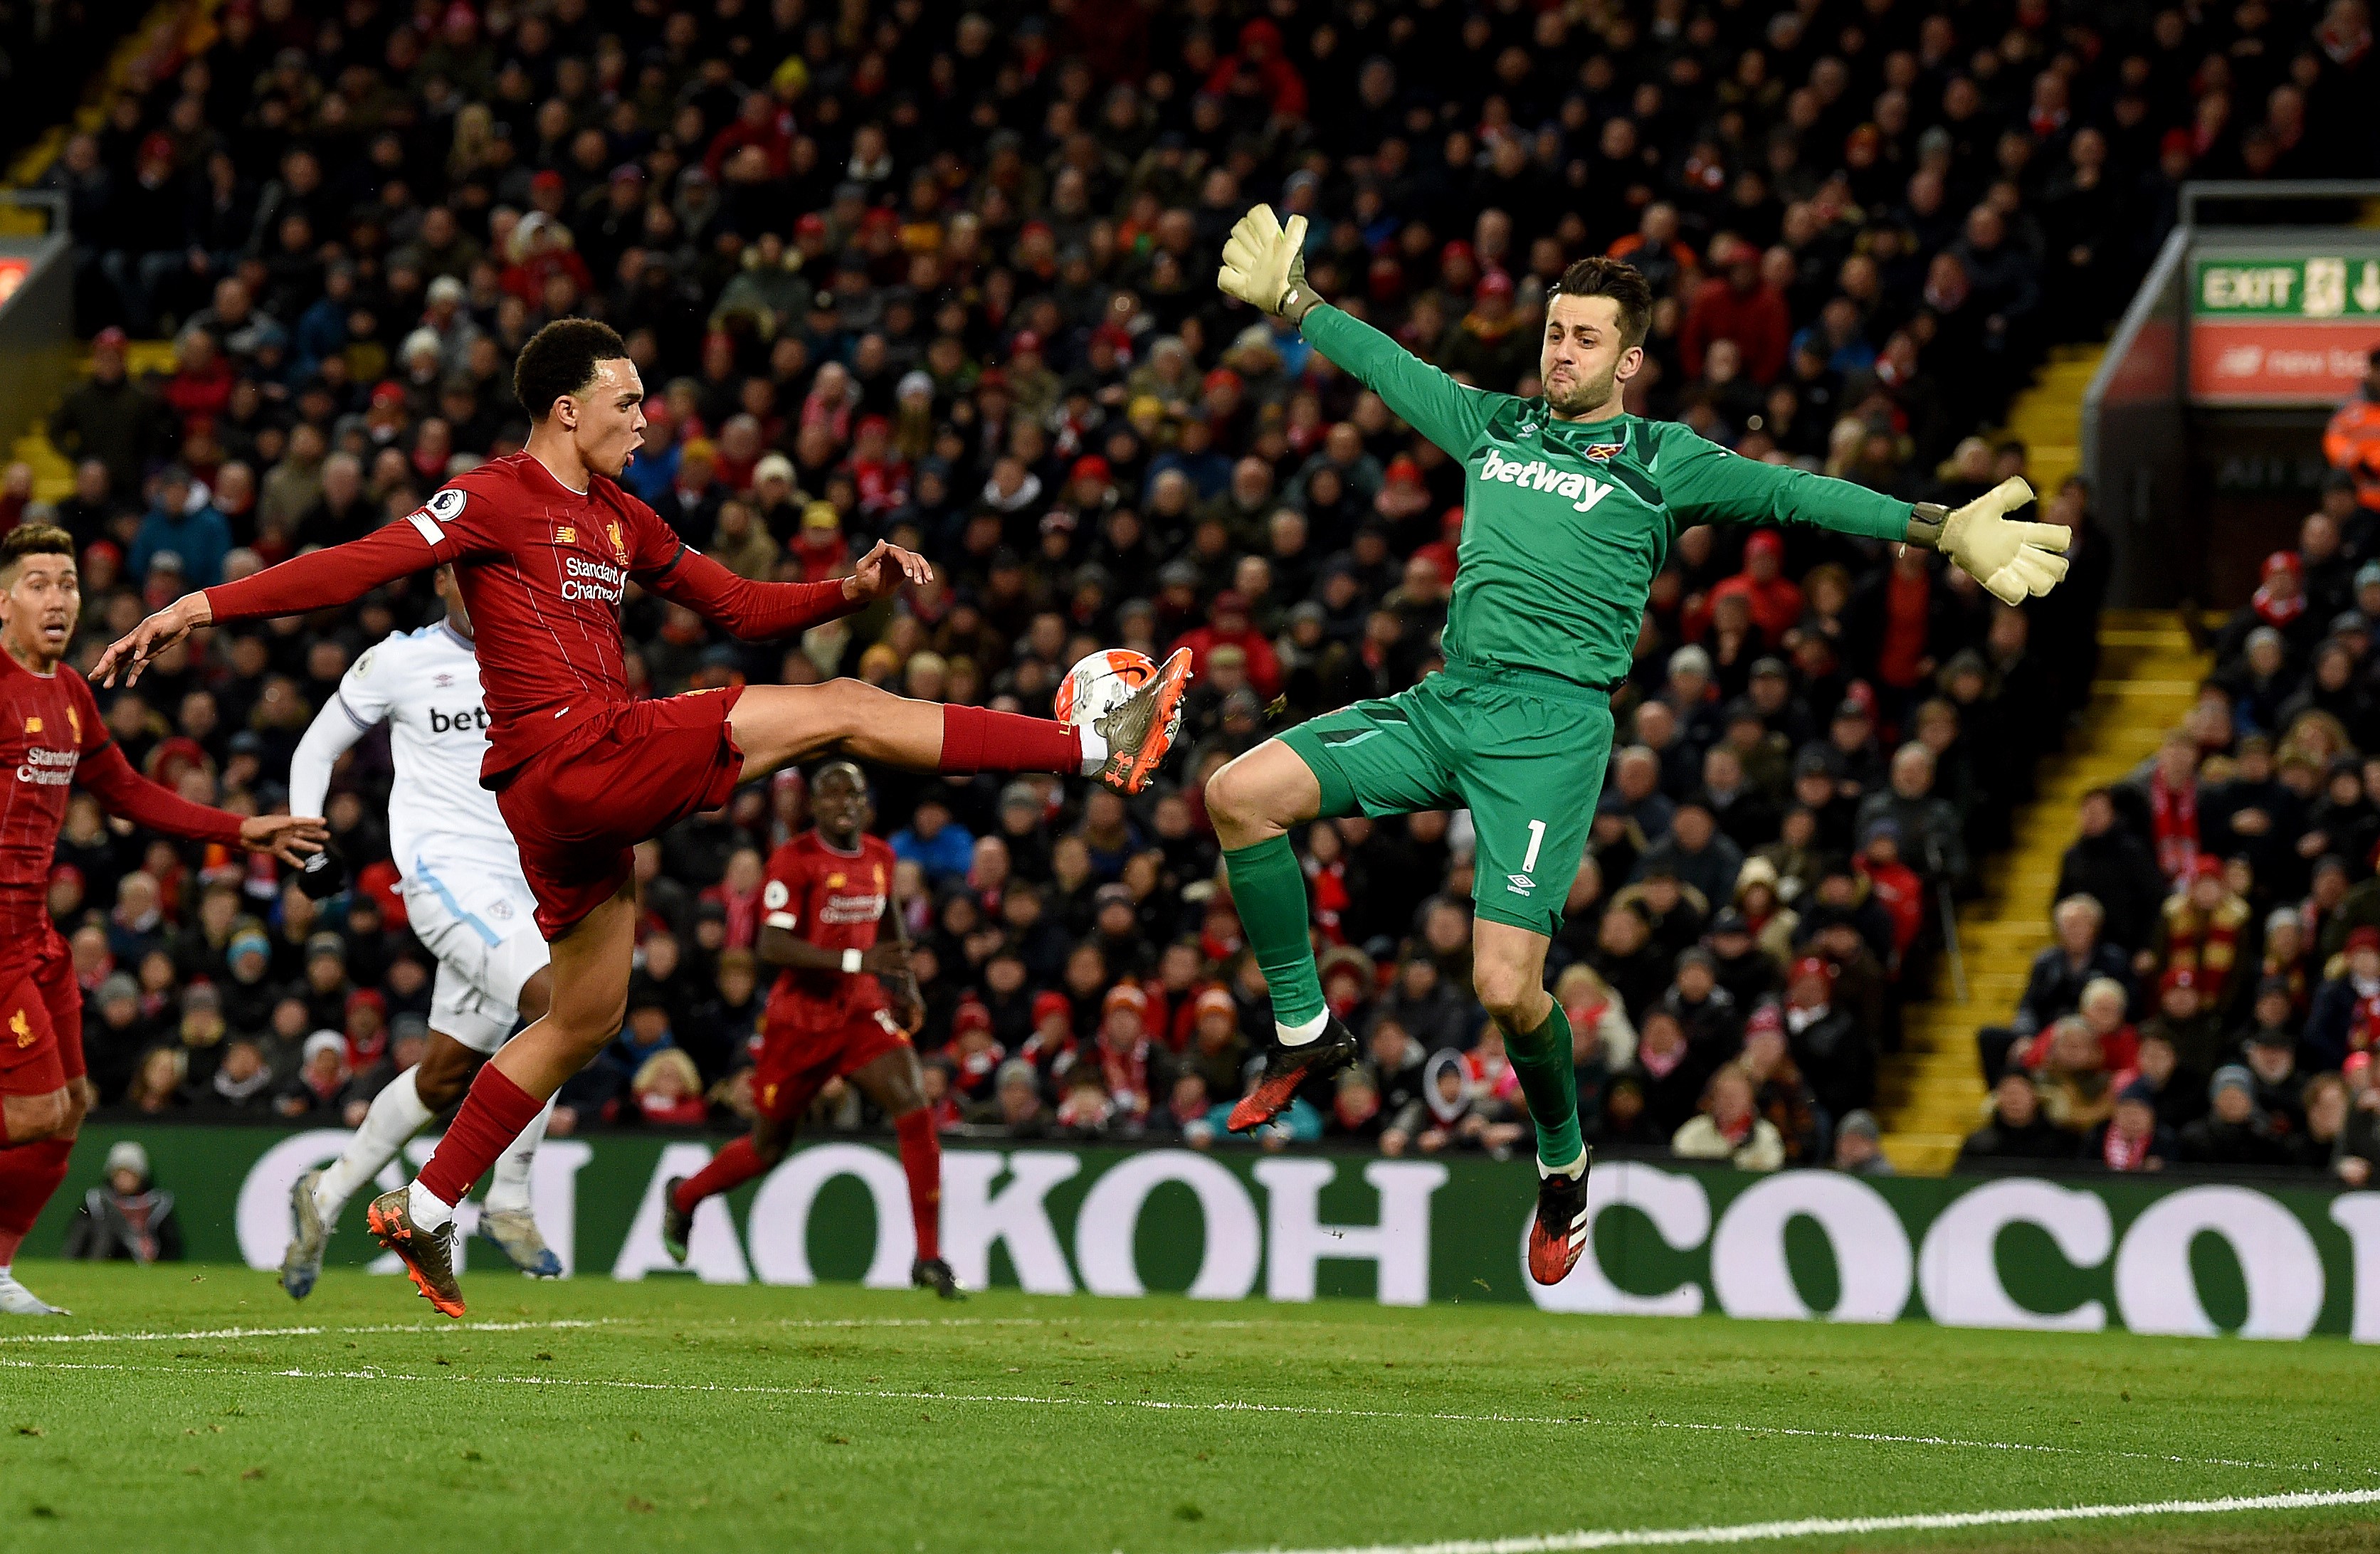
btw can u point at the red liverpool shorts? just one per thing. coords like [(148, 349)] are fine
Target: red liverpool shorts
[(579, 809), (40, 1020), (796, 1061)]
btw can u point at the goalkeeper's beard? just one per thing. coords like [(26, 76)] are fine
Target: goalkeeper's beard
[(1576, 398)]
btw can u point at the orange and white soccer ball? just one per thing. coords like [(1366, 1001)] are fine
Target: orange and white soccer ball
[(1095, 685)]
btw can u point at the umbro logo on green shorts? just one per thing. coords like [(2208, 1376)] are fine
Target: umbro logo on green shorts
[(1580, 492), (1520, 884)]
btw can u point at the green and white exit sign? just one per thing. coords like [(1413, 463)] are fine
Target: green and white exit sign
[(2311, 288)]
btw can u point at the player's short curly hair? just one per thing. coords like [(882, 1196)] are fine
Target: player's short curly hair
[(1623, 283), (34, 540), (559, 360)]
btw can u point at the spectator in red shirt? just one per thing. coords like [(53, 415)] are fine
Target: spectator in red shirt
[(1260, 53), (1445, 552), (1775, 599), (758, 122), (1900, 621), (202, 384), (1229, 624), (738, 895), (542, 248), (669, 1090), (877, 469), (1892, 883), (1738, 306), (819, 548), (1128, 1061)]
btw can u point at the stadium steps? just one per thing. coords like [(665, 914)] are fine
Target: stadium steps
[(2048, 416), (170, 30), (1930, 1095), (53, 471)]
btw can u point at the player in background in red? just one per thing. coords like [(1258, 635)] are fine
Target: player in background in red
[(51, 737), (544, 544), (843, 1006)]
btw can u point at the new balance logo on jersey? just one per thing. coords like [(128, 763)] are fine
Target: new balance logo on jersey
[(1538, 475), (472, 721)]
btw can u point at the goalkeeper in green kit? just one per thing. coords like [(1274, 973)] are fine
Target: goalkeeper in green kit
[(1570, 506)]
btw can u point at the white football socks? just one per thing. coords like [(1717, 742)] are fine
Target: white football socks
[(508, 1188), (1094, 749), (429, 1211), (1298, 1036), (396, 1115), (1575, 1170)]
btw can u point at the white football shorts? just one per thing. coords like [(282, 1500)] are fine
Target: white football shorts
[(482, 928)]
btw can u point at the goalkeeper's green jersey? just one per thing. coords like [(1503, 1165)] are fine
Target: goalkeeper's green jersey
[(1567, 523)]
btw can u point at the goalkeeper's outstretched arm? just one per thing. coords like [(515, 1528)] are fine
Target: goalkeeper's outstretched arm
[(1704, 483), (1263, 265)]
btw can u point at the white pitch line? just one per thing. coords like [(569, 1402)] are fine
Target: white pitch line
[(730, 1324), (1836, 1526), (1164, 1405), (197, 1335)]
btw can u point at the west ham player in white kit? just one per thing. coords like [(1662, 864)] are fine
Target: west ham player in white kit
[(468, 905)]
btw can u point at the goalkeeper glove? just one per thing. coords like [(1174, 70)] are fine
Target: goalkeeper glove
[(324, 875), (2012, 561), (1264, 264)]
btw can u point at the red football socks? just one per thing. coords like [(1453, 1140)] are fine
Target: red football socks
[(732, 1167), (979, 739), (494, 1114), (29, 1174), (921, 1159)]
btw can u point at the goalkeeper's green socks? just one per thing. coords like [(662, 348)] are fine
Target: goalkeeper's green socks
[(1549, 1081), (1268, 890)]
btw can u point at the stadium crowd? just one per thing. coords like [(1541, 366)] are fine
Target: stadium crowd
[(891, 271), (2213, 994)]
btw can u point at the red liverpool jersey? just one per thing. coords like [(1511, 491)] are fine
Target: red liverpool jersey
[(543, 569), (831, 899), (51, 737)]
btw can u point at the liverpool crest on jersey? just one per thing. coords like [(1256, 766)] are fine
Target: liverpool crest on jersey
[(619, 546)]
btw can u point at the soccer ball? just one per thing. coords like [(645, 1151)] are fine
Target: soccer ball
[(1093, 687)]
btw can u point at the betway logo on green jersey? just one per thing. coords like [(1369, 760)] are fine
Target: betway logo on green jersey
[(1580, 492)]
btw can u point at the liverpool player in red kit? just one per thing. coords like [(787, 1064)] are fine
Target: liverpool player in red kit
[(828, 890), (544, 544), (51, 737)]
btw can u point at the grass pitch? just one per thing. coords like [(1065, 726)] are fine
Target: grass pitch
[(199, 1407)]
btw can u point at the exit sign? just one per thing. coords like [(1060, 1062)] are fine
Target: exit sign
[(2311, 288)]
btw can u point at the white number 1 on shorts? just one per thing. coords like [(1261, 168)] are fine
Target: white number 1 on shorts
[(1536, 840)]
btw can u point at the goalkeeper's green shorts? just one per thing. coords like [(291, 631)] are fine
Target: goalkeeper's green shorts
[(1525, 751)]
